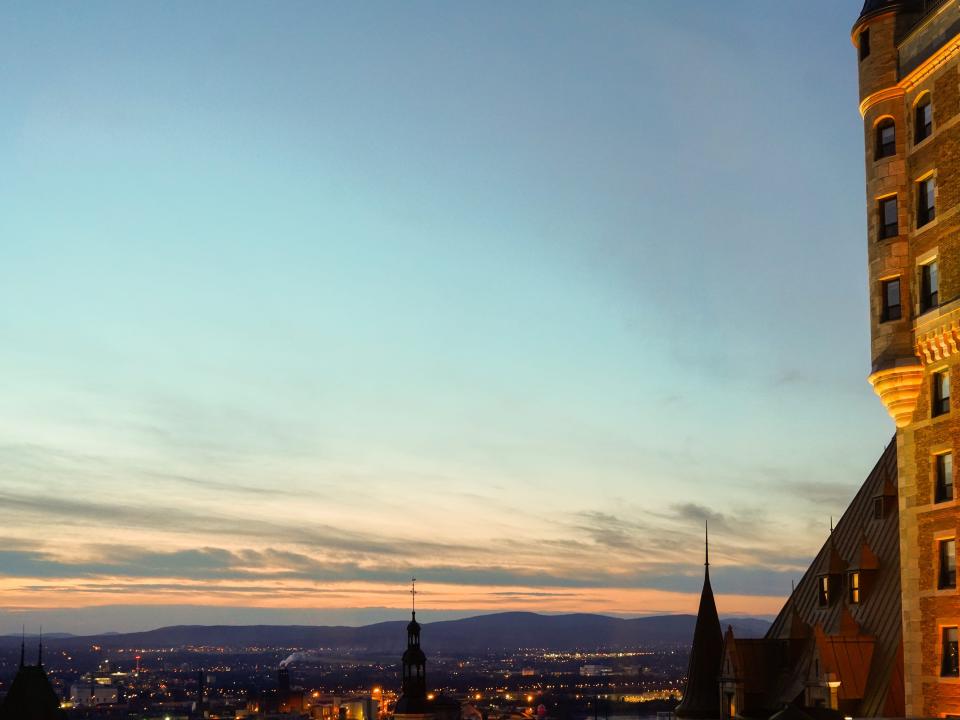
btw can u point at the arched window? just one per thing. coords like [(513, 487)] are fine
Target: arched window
[(923, 119), (886, 138)]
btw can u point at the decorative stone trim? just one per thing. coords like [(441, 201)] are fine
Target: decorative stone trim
[(938, 344), (899, 388)]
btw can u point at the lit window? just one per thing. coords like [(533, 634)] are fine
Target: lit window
[(854, 586), (823, 590), (923, 118), (886, 138), (926, 201), (891, 300), (944, 477), (888, 225), (941, 393), (929, 286), (950, 653), (947, 578), (864, 44)]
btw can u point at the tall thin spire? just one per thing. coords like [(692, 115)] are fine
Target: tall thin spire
[(700, 697), (413, 596), (706, 542)]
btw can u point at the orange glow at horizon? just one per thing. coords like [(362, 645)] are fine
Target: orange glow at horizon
[(41, 594)]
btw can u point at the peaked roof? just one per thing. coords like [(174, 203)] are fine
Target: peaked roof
[(31, 697), (700, 696), (878, 613)]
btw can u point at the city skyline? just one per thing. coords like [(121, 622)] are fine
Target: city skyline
[(341, 306)]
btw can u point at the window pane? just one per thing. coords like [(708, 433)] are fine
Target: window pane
[(944, 489), (948, 564), (890, 211), (950, 664)]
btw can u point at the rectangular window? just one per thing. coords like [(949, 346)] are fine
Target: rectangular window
[(854, 586), (926, 201), (929, 286), (950, 653), (864, 44), (886, 139), (888, 225), (941, 393), (944, 464), (891, 300), (878, 508), (823, 590), (947, 577), (923, 120)]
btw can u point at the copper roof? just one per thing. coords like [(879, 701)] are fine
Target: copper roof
[(878, 613)]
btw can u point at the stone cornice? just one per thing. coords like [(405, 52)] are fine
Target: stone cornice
[(916, 76)]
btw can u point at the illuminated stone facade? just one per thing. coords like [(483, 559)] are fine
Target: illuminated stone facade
[(908, 54)]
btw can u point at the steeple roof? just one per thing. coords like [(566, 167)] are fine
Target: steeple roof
[(31, 697), (700, 697)]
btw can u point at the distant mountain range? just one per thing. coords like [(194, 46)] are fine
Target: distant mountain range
[(483, 633)]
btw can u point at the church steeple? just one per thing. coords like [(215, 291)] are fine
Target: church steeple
[(414, 659), (701, 697)]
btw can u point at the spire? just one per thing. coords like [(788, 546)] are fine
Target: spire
[(413, 597), (701, 698), (706, 542)]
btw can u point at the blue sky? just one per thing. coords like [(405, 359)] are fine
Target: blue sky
[(300, 299)]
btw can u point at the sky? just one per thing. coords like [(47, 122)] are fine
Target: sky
[(299, 300)]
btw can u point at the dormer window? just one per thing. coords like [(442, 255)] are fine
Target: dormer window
[(853, 587), (823, 590)]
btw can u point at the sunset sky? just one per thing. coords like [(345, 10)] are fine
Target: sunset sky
[(300, 299)]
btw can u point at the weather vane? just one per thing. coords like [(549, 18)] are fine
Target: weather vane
[(413, 593)]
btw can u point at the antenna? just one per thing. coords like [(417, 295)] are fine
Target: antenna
[(413, 595)]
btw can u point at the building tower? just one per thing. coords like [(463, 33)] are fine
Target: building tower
[(413, 702), (701, 697), (908, 53)]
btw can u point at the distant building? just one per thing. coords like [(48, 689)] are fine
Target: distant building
[(594, 670), (415, 702), (93, 694), (283, 700)]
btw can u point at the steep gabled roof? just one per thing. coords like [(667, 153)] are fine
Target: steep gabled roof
[(31, 697), (878, 613)]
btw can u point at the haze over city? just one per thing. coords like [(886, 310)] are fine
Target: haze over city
[(301, 300)]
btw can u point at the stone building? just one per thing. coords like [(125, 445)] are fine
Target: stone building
[(908, 55), (873, 629)]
